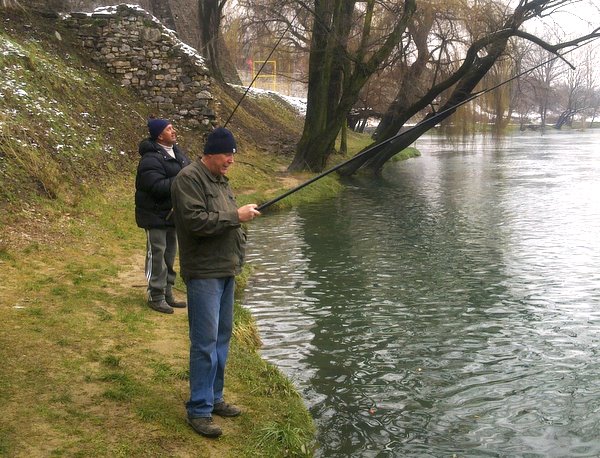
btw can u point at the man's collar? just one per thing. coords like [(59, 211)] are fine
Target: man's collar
[(214, 178)]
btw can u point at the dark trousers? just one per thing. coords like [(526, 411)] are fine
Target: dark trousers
[(161, 247)]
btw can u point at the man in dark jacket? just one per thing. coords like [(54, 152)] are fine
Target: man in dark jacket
[(161, 161), (211, 253)]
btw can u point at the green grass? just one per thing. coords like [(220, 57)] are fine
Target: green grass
[(281, 439), (406, 153), (108, 375)]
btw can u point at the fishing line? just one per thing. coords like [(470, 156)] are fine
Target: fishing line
[(260, 69), (317, 18), (390, 140)]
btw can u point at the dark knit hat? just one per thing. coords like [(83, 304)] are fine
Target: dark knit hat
[(220, 141), (156, 126)]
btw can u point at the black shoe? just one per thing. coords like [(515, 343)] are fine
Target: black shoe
[(223, 409), (176, 304), (204, 426), (160, 306)]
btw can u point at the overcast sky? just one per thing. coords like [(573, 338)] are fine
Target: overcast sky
[(577, 18)]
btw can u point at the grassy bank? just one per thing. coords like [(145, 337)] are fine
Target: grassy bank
[(90, 370)]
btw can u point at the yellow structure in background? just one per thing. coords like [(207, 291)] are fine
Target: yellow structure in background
[(267, 75)]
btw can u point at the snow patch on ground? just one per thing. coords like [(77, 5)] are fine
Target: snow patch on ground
[(298, 103), (8, 48)]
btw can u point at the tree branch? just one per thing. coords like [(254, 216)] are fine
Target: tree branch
[(554, 49)]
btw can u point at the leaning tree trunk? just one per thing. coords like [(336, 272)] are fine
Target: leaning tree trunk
[(393, 119), (461, 93), (467, 78)]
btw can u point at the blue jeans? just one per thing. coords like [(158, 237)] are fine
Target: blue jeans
[(210, 315)]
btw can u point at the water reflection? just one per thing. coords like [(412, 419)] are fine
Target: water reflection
[(450, 307)]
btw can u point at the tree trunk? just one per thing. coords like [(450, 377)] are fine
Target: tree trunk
[(344, 139), (318, 82), (465, 79), (210, 12), (327, 73), (325, 80), (469, 78)]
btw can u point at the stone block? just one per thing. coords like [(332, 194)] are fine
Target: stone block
[(204, 95)]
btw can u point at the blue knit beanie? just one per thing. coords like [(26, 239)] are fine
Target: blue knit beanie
[(156, 126), (220, 141)]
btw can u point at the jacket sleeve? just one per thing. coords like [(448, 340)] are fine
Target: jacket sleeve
[(191, 212), (152, 176)]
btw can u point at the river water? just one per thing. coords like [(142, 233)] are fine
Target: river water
[(450, 307)]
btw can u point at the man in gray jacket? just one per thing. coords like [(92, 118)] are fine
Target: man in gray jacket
[(211, 252)]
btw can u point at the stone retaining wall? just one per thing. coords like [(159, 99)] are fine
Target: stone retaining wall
[(144, 55)]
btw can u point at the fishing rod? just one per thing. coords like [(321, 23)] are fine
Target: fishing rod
[(397, 136), (260, 69)]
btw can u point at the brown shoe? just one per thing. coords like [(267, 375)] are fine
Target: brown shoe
[(205, 426), (223, 409)]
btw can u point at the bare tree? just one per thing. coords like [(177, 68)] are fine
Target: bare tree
[(595, 106), (437, 65), (591, 83), (345, 51), (481, 55), (275, 28), (413, 62), (542, 80), (520, 98), (574, 96)]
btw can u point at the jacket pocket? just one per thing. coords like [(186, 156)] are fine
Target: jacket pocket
[(212, 201)]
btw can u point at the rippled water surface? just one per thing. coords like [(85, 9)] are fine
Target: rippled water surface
[(450, 307)]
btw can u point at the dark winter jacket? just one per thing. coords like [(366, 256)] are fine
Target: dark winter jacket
[(155, 173), (211, 240)]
